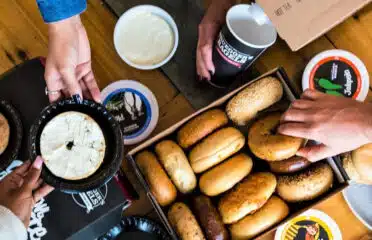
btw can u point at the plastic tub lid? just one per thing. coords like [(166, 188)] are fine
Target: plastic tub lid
[(134, 106), (337, 72), (312, 224)]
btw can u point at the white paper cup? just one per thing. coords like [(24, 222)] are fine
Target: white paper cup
[(120, 25)]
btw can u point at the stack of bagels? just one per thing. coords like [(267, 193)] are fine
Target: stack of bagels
[(212, 159)]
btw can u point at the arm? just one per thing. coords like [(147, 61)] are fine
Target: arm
[(212, 21), (19, 191), (11, 227), (68, 69), (55, 10)]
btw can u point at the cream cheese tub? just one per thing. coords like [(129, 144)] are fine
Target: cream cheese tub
[(339, 73)]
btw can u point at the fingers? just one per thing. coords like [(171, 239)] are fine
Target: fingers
[(85, 90), (22, 169), (302, 104), (295, 115), (33, 174), (92, 86), (69, 77), (295, 129), (206, 54), (200, 66), (42, 192), (316, 152), (311, 94), (53, 81)]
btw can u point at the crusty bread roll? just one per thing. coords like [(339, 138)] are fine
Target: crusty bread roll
[(254, 98), (184, 222), (199, 127), (362, 160), (307, 184), (209, 219), (290, 165), (4, 133), (160, 184), (216, 148), (274, 211), (270, 146), (247, 196), (350, 169), (224, 176), (176, 164)]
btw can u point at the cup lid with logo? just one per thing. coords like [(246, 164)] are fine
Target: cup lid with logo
[(134, 106), (312, 224), (337, 72)]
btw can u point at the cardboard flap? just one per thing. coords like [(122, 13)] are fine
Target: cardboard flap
[(299, 22)]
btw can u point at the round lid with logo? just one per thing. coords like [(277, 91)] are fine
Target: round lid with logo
[(312, 224), (337, 72), (134, 106)]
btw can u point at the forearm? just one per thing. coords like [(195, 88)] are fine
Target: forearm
[(56, 10), (218, 8), (11, 227)]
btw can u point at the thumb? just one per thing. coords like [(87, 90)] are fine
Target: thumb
[(72, 83), (33, 174), (316, 152)]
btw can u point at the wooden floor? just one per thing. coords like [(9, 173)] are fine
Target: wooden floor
[(23, 35)]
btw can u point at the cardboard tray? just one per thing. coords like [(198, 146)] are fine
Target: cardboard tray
[(340, 181)]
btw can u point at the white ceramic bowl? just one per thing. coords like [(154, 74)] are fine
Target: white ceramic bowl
[(154, 10)]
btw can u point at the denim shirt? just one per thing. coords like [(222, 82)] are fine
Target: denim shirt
[(56, 10)]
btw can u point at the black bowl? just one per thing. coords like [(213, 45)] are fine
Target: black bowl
[(113, 137), (136, 228), (16, 134)]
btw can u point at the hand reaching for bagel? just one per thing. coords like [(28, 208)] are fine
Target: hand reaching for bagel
[(339, 124)]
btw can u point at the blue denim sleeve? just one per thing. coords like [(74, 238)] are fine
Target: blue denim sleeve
[(56, 10)]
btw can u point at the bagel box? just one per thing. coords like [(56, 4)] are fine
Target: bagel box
[(289, 95)]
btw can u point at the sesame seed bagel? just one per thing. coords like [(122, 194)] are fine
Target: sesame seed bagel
[(257, 96), (306, 185), (268, 145)]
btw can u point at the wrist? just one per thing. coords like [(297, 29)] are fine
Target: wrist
[(72, 22)]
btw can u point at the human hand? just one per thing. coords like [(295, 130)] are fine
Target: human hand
[(340, 124), (68, 67), (22, 188), (208, 29)]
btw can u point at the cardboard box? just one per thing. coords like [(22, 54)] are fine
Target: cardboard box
[(289, 95), (299, 22)]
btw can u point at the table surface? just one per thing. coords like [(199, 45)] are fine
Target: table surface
[(25, 36)]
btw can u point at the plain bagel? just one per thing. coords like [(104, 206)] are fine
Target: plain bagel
[(257, 96), (268, 145), (358, 164), (306, 185)]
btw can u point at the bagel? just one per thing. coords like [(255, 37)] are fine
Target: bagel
[(306, 185), (215, 148), (274, 211), (291, 165), (257, 96), (199, 127), (247, 196), (268, 145), (358, 164)]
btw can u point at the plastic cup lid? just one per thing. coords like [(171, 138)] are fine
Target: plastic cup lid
[(312, 224), (337, 72), (134, 106)]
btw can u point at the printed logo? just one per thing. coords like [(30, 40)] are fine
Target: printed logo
[(131, 109), (36, 230), (91, 199), (230, 54), (307, 228)]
